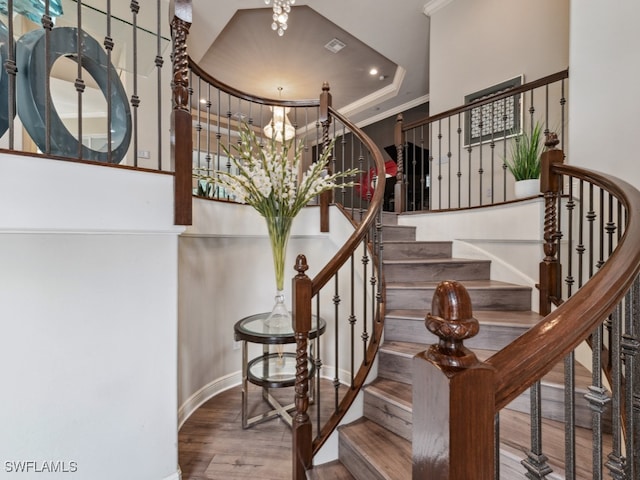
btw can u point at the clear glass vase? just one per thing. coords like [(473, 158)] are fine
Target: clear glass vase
[(279, 229), (280, 318)]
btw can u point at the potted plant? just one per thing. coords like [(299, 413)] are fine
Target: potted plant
[(524, 163)]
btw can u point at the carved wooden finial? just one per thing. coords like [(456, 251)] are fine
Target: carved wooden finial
[(325, 86), (451, 320), (301, 265), (551, 140)]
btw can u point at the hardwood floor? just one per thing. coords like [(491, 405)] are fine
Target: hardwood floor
[(214, 446)]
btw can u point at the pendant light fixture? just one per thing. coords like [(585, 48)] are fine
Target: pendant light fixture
[(279, 127)]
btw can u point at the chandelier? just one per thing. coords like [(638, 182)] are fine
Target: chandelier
[(280, 127), (281, 9)]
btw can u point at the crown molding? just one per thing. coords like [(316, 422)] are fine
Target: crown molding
[(432, 6)]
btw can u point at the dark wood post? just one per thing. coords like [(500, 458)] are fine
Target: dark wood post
[(550, 186), (181, 140), (325, 120), (453, 396), (400, 189), (301, 323)]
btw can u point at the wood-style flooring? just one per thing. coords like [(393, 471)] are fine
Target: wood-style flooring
[(214, 446)]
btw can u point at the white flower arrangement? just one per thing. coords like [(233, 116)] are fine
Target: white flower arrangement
[(268, 180)]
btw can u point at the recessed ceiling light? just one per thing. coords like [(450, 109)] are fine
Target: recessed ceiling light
[(373, 71)]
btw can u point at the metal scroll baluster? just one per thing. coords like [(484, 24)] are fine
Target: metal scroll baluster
[(536, 461), (336, 335), (47, 24), (317, 362), (459, 173), (615, 460), (135, 99), (365, 311), (79, 83), (159, 61), (11, 69), (633, 385), (108, 45), (630, 346), (448, 164)]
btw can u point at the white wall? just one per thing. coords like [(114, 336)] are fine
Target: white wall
[(88, 308), (226, 273), (604, 111), (477, 44)]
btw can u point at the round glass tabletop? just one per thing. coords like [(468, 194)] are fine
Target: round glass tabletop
[(275, 370), (254, 329)]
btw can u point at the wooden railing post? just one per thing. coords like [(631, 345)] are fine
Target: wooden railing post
[(301, 322), (400, 189), (325, 120), (453, 396), (550, 186), (181, 140)]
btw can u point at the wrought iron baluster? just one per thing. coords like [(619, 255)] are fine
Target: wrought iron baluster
[(11, 69), (459, 173), (47, 25), (536, 461), (630, 346), (159, 62), (336, 346), (616, 461), (79, 82), (135, 99), (492, 146)]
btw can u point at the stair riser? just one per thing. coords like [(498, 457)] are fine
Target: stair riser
[(399, 368), (399, 233), (411, 250), (485, 299), (357, 466), (389, 415), (490, 337), (436, 271)]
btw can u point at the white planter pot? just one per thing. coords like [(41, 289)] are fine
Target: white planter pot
[(527, 188)]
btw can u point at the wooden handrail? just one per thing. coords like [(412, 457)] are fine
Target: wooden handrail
[(522, 362), (493, 98), (304, 290), (356, 237)]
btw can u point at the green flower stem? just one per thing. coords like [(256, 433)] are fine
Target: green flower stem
[(279, 229)]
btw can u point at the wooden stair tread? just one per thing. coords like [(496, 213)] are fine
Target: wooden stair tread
[(554, 377), (397, 393), (329, 471), (430, 261), (368, 440), (485, 317)]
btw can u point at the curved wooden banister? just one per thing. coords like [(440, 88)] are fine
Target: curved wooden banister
[(493, 98), (523, 361), (374, 207)]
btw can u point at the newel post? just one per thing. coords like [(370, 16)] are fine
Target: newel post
[(453, 396), (399, 192), (301, 322), (181, 140), (325, 120), (550, 186)]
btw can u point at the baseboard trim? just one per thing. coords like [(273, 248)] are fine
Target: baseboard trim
[(206, 393), (177, 475)]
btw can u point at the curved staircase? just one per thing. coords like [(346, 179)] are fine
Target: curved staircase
[(378, 446)]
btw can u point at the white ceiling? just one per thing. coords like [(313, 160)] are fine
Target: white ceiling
[(233, 40)]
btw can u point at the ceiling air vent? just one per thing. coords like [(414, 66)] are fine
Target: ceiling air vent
[(335, 45)]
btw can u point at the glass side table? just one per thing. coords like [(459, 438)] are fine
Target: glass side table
[(271, 369)]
